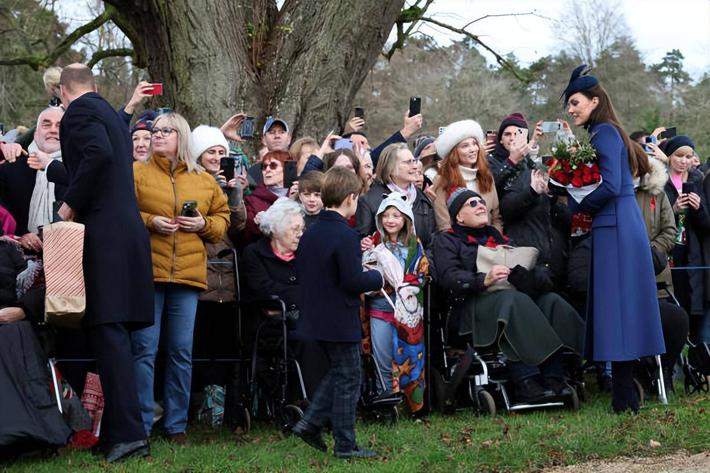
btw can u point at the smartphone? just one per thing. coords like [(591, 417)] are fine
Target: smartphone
[(415, 106), (247, 129), (442, 129), (551, 127), (226, 165), (238, 163), (668, 133), (360, 112), (189, 208), (491, 136), (688, 187), (521, 137), (157, 89)]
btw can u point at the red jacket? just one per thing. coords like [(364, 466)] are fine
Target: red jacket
[(259, 200)]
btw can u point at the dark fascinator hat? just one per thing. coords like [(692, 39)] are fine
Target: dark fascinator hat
[(579, 80)]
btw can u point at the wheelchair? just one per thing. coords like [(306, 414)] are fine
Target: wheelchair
[(464, 376)]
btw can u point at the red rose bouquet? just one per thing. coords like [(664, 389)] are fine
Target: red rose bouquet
[(575, 168)]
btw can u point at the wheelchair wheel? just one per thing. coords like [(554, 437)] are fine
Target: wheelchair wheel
[(641, 392), (572, 402), (486, 403), (290, 415)]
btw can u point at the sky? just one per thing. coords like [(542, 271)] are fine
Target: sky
[(657, 26)]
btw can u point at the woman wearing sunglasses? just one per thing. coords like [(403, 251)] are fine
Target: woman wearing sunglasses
[(530, 324), (183, 207), (273, 167)]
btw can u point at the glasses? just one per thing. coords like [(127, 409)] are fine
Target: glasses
[(409, 162), (163, 131), (475, 202), (273, 165)]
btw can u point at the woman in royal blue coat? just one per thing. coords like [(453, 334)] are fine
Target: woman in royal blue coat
[(623, 322)]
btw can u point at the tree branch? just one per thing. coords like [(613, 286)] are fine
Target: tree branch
[(407, 17), (496, 15), (103, 54), (503, 62), (37, 61)]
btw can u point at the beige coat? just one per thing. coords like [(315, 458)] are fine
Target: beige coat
[(443, 221)]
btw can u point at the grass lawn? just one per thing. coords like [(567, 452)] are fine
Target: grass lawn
[(462, 442)]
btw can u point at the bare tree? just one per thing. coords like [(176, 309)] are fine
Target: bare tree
[(589, 27)]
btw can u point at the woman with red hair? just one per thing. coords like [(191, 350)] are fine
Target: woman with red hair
[(464, 165)]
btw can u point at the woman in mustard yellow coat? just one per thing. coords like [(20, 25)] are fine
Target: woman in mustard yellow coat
[(183, 207)]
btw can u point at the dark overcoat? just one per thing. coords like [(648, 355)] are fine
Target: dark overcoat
[(623, 321), (329, 267), (97, 152)]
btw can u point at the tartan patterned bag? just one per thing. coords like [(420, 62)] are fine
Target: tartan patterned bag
[(65, 300)]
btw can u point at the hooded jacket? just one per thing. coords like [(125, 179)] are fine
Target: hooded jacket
[(658, 216), (179, 258)]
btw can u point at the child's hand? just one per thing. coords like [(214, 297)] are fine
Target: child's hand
[(366, 244)]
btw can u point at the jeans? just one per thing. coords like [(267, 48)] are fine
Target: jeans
[(381, 334), (337, 394), (179, 305), (704, 327)]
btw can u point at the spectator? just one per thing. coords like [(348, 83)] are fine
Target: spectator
[(396, 320), (419, 169), (30, 194), (300, 150), (684, 191), (511, 149), (366, 169), (11, 264), (342, 157), (328, 264), (275, 137), (140, 135), (170, 181), (309, 186), (639, 137), (464, 165), (530, 322), (272, 187), (396, 172)]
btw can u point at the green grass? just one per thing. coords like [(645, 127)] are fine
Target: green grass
[(462, 442)]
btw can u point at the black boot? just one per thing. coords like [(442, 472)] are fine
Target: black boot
[(624, 394), (529, 391)]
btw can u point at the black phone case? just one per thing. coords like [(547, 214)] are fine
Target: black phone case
[(415, 106)]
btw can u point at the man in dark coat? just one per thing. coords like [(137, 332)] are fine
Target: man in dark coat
[(97, 152)]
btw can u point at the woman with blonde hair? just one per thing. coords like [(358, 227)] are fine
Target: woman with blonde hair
[(183, 208), (300, 150), (465, 165)]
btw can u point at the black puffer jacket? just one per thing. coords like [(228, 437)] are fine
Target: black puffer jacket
[(539, 221), (424, 218)]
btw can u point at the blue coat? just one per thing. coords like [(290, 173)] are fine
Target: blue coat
[(623, 321), (329, 267)]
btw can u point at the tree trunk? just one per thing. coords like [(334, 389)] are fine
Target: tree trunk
[(304, 62)]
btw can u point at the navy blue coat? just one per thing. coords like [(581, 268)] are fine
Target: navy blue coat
[(329, 267), (97, 153), (625, 323)]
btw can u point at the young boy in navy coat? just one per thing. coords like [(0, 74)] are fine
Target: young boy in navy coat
[(329, 266)]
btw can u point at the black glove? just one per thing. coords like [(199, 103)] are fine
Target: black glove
[(533, 282), (660, 260), (521, 279)]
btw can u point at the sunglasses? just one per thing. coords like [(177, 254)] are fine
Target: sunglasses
[(273, 165), (476, 201)]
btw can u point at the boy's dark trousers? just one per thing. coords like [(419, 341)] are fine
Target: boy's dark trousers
[(337, 394)]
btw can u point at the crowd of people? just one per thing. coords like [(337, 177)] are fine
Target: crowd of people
[(349, 236)]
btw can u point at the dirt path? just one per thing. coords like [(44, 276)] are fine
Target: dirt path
[(681, 462)]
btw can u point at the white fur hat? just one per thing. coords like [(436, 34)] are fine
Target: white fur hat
[(455, 133), (203, 138)]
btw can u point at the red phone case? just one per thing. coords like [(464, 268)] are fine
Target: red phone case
[(157, 89)]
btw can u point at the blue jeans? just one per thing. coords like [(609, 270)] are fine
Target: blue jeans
[(179, 304), (381, 334)]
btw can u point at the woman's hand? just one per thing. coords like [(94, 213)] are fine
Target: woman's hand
[(411, 125), (293, 191), (38, 160), (11, 151), (537, 133), (353, 125), (164, 225), (517, 154), (366, 244), (681, 203), (325, 148), (657, 153), (143, 89), (497, 274), (693, 200), (191, 224), (230, 128)]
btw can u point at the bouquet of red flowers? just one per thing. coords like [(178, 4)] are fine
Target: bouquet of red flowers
[(575, 168)]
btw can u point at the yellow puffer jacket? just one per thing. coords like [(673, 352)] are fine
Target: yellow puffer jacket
[(179, 258)]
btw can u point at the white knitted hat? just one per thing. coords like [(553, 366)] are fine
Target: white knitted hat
[(398, 201), (455, 133), (203, 138)]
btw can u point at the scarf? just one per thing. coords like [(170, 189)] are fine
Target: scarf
[(410, 192), (42, 201), (485, 236), (469, 176)]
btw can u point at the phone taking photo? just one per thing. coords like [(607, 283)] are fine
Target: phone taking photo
[(551, 127), (415, 106), (668, 133), (156, 90), (246, 131), (227, 165), (360, 112)]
